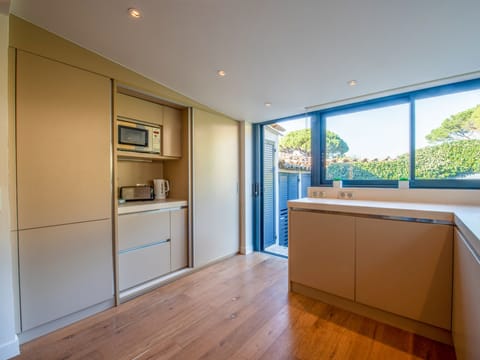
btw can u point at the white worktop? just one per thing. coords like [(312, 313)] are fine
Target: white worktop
[(150, 205), (466, 218)]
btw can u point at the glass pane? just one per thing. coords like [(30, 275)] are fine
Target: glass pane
[(368, 145), (447, 137)]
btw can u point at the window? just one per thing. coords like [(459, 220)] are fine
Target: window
[(447, 137), (370, 144), (430, 137)]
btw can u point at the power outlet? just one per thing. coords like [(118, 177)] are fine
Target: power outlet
[(346, 195), (319, 194)]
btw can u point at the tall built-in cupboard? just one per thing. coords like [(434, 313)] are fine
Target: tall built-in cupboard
[(63, 139)]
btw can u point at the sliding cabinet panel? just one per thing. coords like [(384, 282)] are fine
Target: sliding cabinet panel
[(64, 269), (215, 187), (63, 143)]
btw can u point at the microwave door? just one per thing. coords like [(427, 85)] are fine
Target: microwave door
[(134, 138)]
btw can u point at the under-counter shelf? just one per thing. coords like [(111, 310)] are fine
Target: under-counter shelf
[(132, 156)]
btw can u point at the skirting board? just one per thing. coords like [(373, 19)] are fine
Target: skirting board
[(400, 322), (9, 349), (64, 321)]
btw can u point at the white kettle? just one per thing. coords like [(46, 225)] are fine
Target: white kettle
[(161, 187)]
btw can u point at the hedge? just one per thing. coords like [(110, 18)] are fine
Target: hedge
[(448, 160)]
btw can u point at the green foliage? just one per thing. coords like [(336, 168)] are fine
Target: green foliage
[(297, 140), (336, 146), (449, 160), (301, 140), (463, 125)]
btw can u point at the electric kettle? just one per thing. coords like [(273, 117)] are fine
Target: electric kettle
[(161, 187)]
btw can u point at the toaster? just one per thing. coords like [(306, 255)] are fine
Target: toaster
[(132, 193)]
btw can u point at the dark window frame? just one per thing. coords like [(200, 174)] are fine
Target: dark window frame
[(318, 131)]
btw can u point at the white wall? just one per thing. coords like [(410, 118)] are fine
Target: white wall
[(246, 181), (8, 338)]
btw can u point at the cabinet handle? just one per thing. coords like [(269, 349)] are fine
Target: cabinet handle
[(143, 246)]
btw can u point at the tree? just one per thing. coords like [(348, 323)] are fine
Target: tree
[(464, 125), (336, 146), (301, 140)]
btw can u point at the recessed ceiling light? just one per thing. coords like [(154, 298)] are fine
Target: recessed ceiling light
[(221, 73), (135, 13), (268, 104), (352, 82)]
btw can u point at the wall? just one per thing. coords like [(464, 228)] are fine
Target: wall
[(430, 196), (246, 179), (8, 338)]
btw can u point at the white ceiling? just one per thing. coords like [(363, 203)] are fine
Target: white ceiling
[(292, 53)]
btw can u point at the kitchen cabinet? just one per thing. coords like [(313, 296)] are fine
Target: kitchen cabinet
[(172, 132), (143, 228), (405, 268), (322, 252), (64, 269), (64, 194), (215, 158), (151, 244), (137, 109), (179, 239), (466, 299), (63, 120)]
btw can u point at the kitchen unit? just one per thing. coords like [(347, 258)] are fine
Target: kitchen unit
[(405, 258), (151, 243), (64, 213), (68, 170)]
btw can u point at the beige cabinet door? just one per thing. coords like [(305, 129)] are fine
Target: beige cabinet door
[(144, 264), (466, 300), (63, 143), (172, 132), (405, 268), (144, 228), (137, 109), (215, 187), (321, 252), (64, 269), (179, 239)]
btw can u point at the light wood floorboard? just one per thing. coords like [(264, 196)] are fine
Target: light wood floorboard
[(237, 309)]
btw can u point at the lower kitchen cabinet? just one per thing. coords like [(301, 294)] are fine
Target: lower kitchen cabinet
[(140, 265), (151, 244), (466, 300), (64, 269), (179, 239), (405, 268), (322, 252)]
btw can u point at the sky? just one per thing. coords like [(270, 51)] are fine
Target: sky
[(384, 132)]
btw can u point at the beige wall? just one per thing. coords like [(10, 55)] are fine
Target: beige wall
[(8, 337)]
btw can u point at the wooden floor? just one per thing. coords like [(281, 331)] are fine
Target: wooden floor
[(236, 309)]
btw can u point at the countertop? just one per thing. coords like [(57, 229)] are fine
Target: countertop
[(149, 205), (466, 218)]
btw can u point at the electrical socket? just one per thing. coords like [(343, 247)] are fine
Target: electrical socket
[(345, 195)]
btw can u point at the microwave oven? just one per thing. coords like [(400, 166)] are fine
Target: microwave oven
[(138, 137)]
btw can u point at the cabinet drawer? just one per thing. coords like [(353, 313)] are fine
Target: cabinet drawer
[(144, 228), (140, 265)]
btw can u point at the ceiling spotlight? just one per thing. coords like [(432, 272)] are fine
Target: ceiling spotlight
[(135, 13), (221, 73), (352, 82), (268, 104)]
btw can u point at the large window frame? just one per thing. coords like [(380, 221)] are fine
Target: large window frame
[(318, 126)]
